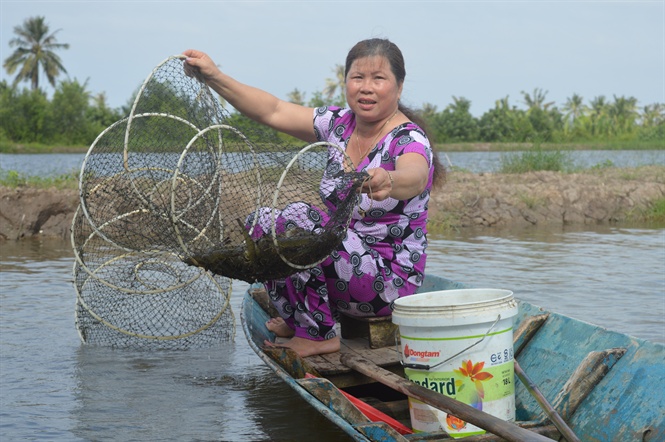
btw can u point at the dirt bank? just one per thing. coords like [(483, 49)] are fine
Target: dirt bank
[(594, 197), (501, 200)]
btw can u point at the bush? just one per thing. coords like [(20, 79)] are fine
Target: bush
[(12, 178), (534, 160)]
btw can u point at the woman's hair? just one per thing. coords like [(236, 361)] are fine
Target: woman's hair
[(389, 50)]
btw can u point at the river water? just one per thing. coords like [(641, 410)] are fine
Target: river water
[(57, 164), (55, 388)]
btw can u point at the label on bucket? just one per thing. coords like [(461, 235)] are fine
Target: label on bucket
[(482, 378)]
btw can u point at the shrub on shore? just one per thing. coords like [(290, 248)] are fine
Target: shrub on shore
[(655, 213), (535, 160), (13, 179)]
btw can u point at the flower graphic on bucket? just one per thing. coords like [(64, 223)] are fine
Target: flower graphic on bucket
[(455, 423), (475, 373)]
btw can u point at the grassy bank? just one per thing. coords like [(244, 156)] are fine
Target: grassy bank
[(656, 213), (13, 179), (6, 147)]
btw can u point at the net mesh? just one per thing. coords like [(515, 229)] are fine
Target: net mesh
[(145, 299), (180, 197)]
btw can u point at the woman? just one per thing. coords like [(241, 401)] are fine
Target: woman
[(383, 255)]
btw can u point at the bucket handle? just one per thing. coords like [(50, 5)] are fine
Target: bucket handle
[(429, 367)]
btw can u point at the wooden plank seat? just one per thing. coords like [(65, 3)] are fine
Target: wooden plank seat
[(380, 331)]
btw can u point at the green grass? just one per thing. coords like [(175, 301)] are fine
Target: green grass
[(13, 179), (530, 201), (536, 159), (10, 147), (656, 212), (448, 223)]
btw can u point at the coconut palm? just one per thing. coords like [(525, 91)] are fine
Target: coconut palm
[(574, 108), (599, 105), (574, 114), (599, 120), (34, 52), (460, 104), (335, 84), (653, 114), (427, 112), (537, 101), (623, 113), (296, 96)]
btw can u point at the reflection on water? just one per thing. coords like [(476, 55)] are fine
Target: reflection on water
[(54, 388)]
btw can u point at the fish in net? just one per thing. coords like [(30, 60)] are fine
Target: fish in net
[(278, 242)]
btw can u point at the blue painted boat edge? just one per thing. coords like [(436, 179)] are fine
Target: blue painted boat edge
[(627, 404), (253, 315)]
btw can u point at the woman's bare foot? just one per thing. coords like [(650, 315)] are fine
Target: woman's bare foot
[(306, 347), (280, 328)]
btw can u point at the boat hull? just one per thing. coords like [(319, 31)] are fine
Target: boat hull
[(606, 386)]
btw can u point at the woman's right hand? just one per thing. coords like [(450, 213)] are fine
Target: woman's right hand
[(199, 64)]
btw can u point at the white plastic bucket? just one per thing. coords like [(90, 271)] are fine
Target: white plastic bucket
[(459, 343)]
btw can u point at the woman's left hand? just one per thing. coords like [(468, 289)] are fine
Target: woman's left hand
[(407, 180), (379, 185)]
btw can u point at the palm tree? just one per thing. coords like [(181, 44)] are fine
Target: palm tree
[(460, 104), (599, 118), (333, 84), (537, 101), (599, 105), (574, 109), (34, 50), (623, 113), (297, 97), (653, 115), (502, 104), (427, 111)]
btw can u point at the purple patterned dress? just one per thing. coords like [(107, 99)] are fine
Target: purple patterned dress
[(382, 257)]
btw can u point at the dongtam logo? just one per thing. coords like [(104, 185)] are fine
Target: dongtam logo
[(421, 355)]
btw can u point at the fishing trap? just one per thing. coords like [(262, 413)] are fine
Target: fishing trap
[(180, 197)]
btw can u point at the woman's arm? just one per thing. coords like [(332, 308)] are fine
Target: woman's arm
[(255, 103)]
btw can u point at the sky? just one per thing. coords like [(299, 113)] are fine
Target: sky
[(482, 51)]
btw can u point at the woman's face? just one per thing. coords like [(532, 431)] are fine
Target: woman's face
[(372, 91)]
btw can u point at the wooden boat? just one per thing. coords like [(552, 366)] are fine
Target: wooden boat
[(576, 381)]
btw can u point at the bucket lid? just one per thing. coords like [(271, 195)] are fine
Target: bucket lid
[(454, 307)]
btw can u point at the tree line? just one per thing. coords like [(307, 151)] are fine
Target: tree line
[(601, 120), (73, 116)]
